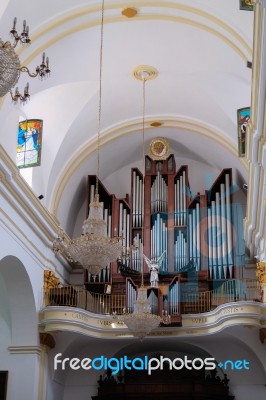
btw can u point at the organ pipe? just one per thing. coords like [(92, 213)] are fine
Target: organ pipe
[(194, 235), (220, 233), (137, 201), (180, 200), (174, 299), (228, 225), (159, 240), (159, 197)]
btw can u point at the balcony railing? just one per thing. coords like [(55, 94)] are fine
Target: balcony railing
[(190, 303), (229, 292), (77, 296)]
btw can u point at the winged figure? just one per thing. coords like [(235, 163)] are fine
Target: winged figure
[(154, 266)]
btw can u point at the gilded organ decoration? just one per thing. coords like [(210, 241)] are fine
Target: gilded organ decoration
[(50, 280), (159, 149), (261, 272)]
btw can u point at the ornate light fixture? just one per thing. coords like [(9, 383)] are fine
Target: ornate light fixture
[(94, 250), (10, 66), (141, 321)]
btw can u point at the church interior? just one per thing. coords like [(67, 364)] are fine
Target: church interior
[(133, 200)]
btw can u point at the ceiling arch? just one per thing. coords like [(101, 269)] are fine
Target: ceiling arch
[(200, 49)]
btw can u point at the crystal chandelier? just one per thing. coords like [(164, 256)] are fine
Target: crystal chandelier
[(141, 321), (10, 66), (94, 250)]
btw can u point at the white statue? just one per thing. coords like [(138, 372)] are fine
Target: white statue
[(154, 266)]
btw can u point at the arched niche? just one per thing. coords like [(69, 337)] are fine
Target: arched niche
[(19, 302)]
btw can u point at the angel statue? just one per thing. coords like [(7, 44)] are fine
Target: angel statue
[(154, 266)]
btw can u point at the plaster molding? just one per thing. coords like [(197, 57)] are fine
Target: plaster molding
[(76, 320), (35, 350), (24, 196)]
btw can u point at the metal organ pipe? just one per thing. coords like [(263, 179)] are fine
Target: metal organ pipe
[(180, 200), (214, 236), (137, 254), (210, 244), (137, 201), (159, 240), (134, 200), (220, 233), (131, 296), (198, 235), (159, 194), (228, 225), (223, 230), (184, 199), (174, 300)]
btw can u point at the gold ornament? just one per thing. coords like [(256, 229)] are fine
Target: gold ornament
[(159, 149)]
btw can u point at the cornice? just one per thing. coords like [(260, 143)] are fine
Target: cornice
[(18, 192), (35, 350)]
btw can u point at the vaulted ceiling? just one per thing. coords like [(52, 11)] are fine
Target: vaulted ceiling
[(200, 49)]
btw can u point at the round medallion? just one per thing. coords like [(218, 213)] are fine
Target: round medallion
[(146, 72), (159, 149)]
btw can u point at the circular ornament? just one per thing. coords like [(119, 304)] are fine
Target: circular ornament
[(159, 149)]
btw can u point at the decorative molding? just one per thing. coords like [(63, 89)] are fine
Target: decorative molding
[(24, 350), (29, 202), (149, 71), (76, 320), (46, 339)]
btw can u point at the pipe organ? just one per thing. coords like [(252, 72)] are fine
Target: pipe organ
[(199, 233)]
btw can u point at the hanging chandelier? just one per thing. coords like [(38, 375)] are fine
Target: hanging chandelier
[(94, 250), (10, 66), (141, 321)]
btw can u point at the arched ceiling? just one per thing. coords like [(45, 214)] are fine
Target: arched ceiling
[(200, 49)]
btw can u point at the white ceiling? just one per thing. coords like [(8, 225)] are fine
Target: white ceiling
[(200, 49)]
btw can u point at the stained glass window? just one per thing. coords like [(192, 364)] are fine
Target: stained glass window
[(246, 5), (29, 143)]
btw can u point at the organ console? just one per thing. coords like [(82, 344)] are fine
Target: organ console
[(198, 233)]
